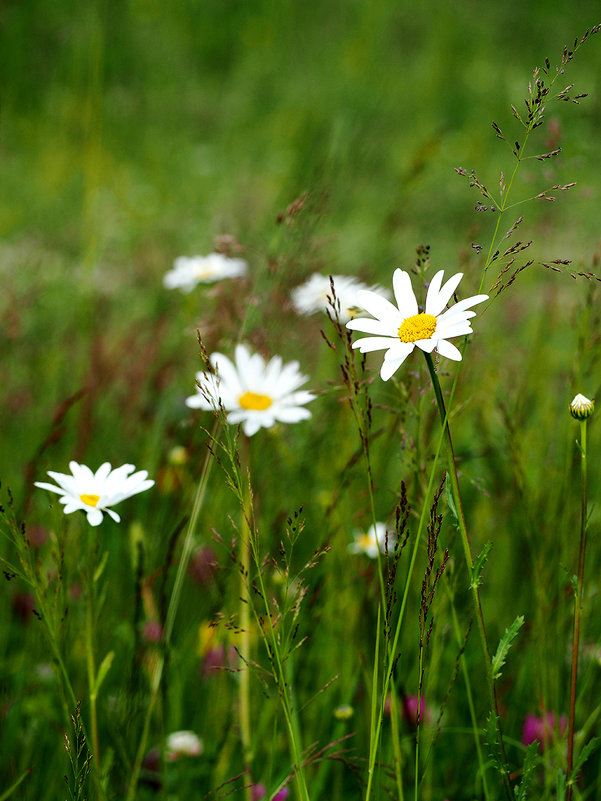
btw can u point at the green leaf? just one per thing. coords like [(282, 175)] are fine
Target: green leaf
[(7, 793), (561, 786), (102, 671), (530, 760), (479, 564), (582, 757), (451, 502), (100, 569), (492, 744), (505, 644)]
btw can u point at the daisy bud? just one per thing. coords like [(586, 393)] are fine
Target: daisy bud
[(581, 408)]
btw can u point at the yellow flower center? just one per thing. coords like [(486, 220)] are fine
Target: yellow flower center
[(89, 500), (420, 326), (364, 541), (252, 400)]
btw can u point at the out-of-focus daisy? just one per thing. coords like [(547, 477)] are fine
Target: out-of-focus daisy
[(94, 493), (314, 295), (371, 541), (183, 743), (188, 272), (254, 393), (399, 330)]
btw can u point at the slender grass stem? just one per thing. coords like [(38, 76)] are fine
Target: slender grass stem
[(244, 621), (281, 667), (479, 615), (375, 735), (170, 620), (90, 663), (470, 698), (578, 600)]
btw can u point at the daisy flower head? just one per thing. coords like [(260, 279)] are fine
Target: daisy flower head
[(314, 295), (183, 743), (94, 493), (581, 407), (253, 392), (372, 541), (188, 272), (399, 329)]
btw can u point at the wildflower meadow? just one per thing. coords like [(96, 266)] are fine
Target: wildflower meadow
[(300, 464)]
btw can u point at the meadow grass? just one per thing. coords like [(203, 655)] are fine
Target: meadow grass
[(227, 601)]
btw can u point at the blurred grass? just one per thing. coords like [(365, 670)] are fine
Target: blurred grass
[(135, 132)]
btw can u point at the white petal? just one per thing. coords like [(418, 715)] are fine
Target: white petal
[(463, 305), (379, 307), (437, 298), (399, 350), (369, 326), (390, 367), (227, 373), (113, 514), (251, 426), (103, 471), (198, 401), (448, 350), (457, 330), (427, 345), (292, 414), (49, 487), (81, 472), (369, 344), (94, 517), (404, 294)]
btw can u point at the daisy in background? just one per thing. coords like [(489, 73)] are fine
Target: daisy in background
[(188, 272), (94, 493), (399, 330), (313, 296), (183, 743), (372, 541), (253, 392)]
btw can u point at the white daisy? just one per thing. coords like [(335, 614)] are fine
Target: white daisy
[(400, 329), (371, 541), (313, 296), (188, 272), (183, 743), (92, 492), (253, 393)]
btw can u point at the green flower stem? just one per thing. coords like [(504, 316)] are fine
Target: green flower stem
[(170, 620), (470, 566), (375, 732), (244, 622), (90, 662), (578, 599)]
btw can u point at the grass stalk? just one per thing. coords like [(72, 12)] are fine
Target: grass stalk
[(91, 664), (169, 621), (244, 623), (578, 600), (479, 615)]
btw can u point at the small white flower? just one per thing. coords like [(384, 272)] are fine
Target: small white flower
[(183, 743), (313, 296), (581, 408), (253, 393), (188, 272), (92, 492), (369, 542), (399, 330)]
